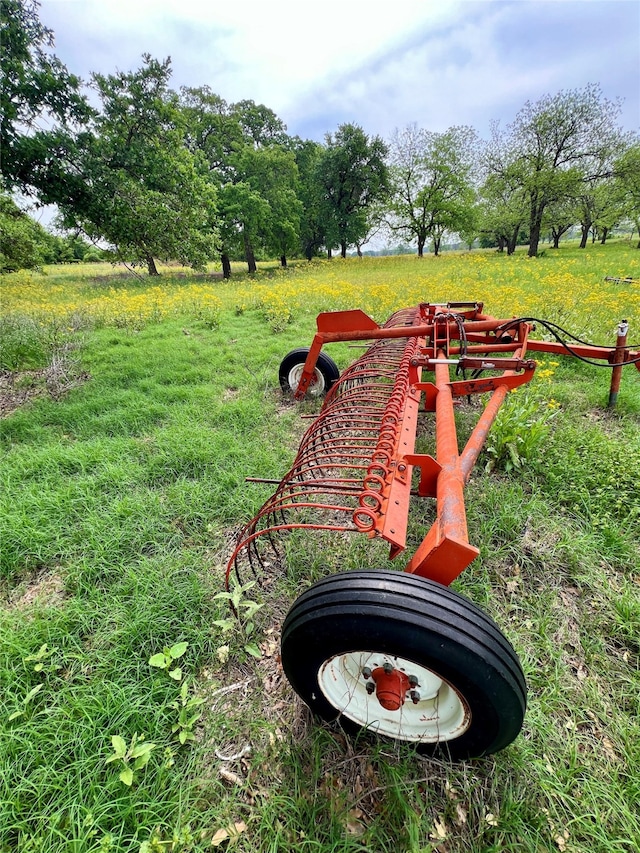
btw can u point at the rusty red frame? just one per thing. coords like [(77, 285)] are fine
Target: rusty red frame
[(354, 468)]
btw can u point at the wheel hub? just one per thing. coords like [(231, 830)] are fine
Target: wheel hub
[(394, 696), (391, 687), (316, 385)]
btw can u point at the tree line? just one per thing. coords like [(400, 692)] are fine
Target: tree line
[(155, 173)]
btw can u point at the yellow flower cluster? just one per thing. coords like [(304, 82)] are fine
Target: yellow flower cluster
[(568, 287), (568, 290), (79, 303)]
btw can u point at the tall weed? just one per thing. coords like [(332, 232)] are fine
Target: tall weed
[(25, 343), (519, 431)]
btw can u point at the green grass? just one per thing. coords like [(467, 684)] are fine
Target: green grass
[(120, 501)]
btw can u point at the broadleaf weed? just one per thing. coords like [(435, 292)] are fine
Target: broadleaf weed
[(185, 705), (41, 659), (133, 756), (244, 610), (518, 432), (181, 841), (167, 657), (20, 712)]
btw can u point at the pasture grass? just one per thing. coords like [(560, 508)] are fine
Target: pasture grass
[(120, 502)]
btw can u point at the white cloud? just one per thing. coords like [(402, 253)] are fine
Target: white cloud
[(483, 68), (279, 46), (379, 64)]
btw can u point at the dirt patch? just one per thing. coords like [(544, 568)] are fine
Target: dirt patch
[(539, 541), (44, 590), (608, 420), (21, 386), (17, 388)]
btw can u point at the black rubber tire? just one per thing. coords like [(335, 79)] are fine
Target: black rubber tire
[(419, 620), (326, 367)]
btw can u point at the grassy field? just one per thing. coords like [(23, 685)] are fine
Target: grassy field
[(134, 410)]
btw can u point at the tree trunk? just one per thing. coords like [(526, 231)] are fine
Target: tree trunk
[(436, 246), (151, 266), (421, 241), (501, 244), (605, 234), (329, 253), (585, 226), (536, 212), (226, 265), (534, 237), (359, 250), (283, 260), (249, 255), (512, 242), (343, 250), (556, 238)]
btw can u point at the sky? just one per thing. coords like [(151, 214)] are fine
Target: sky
[(381, 65)]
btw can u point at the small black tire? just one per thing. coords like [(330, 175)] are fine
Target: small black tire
[(326, 372), (473, 689)]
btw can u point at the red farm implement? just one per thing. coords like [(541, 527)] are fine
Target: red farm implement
[(400, 653)]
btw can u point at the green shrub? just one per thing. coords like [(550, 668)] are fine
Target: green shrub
[(93, 256), (24, 343), (518, 432)]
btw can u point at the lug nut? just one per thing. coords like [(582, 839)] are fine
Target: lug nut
[(413, 681), (370, 687), (387, 667), (366, 672), (415, 696)]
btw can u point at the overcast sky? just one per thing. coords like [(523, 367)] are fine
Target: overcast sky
[(378, 64)]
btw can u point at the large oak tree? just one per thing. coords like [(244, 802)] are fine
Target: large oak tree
[(246, 151), (554, 145), (39, 98), (312, 222), (138, 187), (432, 183), (352, 176)]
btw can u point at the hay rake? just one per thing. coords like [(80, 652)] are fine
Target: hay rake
[(399, 653)]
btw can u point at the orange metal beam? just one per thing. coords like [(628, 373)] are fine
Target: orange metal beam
[(445, 552)]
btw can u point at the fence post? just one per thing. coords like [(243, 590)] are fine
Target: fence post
[(618, 359)]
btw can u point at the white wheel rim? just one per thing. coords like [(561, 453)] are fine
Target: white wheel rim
[(441, 714), (316, 389)]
